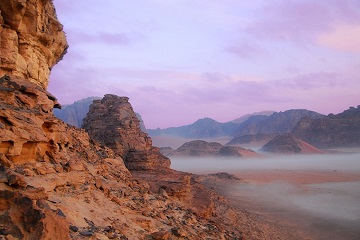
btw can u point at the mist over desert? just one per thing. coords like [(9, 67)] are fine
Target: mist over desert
[(316, 194)]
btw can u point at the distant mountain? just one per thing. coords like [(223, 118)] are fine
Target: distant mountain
[(201, 148), (247, 116), (74, 113), (276, 123), (251, 138), (340, 130), (282, 122), (287, 143), (202, 128)]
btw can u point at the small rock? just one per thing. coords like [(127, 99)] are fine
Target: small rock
[(179, 232), (60, 213), (15, 178), (74, 228), (86, 233), (161, 235)]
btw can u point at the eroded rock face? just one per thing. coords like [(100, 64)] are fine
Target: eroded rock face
[(29, 130), (113, 122), (32, 40)]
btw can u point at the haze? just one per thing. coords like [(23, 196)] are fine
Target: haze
[(315, 192)]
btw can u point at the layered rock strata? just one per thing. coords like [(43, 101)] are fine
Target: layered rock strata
[(113, 122), (32, 40)]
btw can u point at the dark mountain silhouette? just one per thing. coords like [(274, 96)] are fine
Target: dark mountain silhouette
[(276, 123), (247, 116), (74, 114), (251, 138), (340, 130), (202, 128)]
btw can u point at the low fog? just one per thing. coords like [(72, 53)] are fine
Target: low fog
[(326, 162), (329, 209)]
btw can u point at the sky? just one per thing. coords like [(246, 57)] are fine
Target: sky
[(182, 60)]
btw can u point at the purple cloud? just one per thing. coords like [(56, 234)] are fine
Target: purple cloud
[(245, 49), (302, 20)]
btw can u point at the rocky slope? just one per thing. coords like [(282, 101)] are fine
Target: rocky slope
[(340, 130), (201, 148), (289, 144), (32, 39)]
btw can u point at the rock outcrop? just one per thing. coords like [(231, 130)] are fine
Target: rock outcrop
[(113, 122), (237, 151), (340, 130), (32, 40), (289, 144), (201, 148), (198, 148)]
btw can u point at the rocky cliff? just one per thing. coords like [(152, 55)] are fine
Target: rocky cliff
[(113, 122), (32, 40), (340, 130)]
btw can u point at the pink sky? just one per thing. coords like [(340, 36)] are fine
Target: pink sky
[(182, 60)]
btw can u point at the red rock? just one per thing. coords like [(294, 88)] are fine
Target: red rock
[(113, 122)]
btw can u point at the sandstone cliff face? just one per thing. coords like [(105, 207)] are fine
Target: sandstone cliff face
[(32, 40), (113, 122)]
